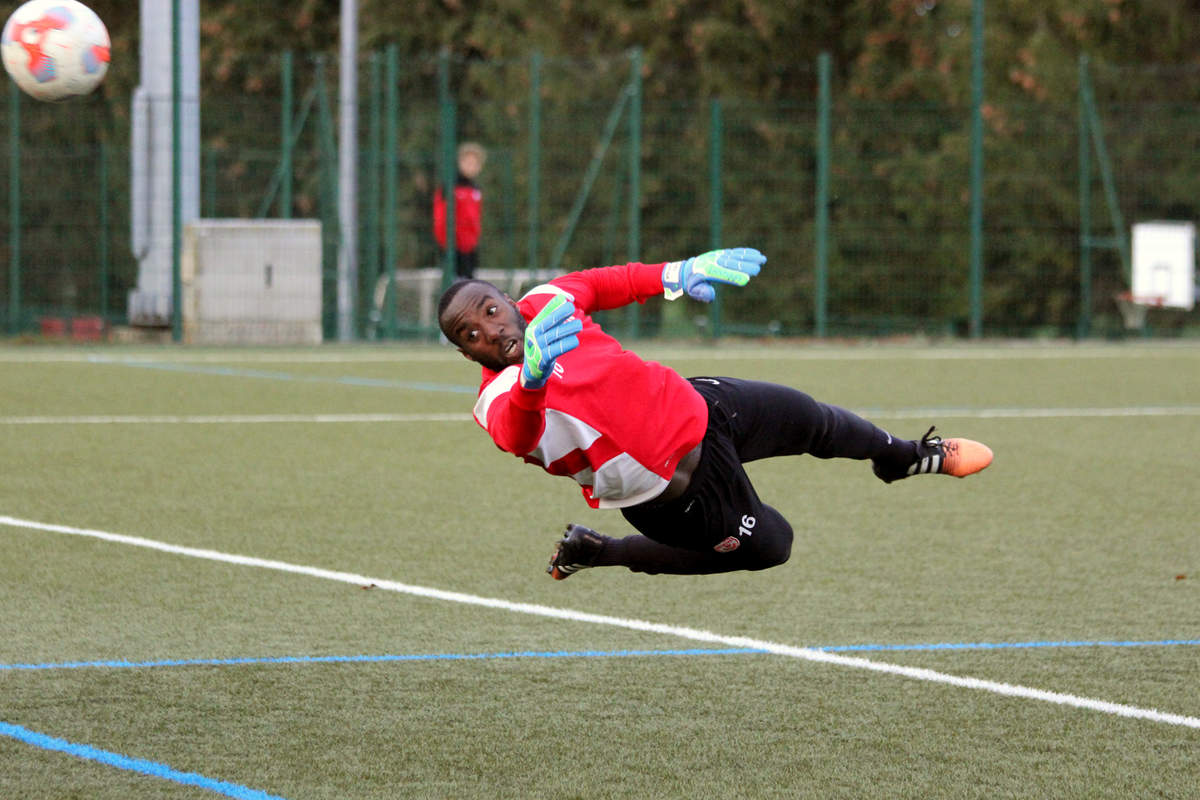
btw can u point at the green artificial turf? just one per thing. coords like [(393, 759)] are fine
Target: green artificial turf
[(1084, 530)]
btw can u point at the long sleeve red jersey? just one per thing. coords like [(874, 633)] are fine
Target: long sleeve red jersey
[(468, 216), (616, 424)]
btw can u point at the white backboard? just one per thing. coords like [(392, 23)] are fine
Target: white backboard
[(1164, 263)]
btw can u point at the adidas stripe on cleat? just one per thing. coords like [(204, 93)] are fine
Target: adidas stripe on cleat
[(576, 550), (938, 456)]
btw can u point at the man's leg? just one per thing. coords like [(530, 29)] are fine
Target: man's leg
[(767, 419), (749, 420), (718, 524), (766, 543), (583, 547), (769, 544)]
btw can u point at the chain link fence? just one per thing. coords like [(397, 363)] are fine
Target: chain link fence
[(584, 169)]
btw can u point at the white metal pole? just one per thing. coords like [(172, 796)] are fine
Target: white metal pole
[(348, 177), (152, 154)]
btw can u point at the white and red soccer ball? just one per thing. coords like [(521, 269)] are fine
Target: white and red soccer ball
[(55, 49)]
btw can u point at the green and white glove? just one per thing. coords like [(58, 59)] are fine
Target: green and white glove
[(547, 336), (734, 266)]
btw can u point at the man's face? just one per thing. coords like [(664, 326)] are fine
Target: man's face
[(485, 325)]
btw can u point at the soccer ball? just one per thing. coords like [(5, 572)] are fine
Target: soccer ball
[(55, 49)]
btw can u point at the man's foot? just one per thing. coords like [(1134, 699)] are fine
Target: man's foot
[(938, 456), (576, 550)]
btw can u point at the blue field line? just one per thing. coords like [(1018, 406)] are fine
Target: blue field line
[(140, 765), (534, 654), (239, 372)]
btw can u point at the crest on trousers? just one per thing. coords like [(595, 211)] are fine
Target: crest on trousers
[(728, 545)]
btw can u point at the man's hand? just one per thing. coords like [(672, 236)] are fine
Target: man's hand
[(696, 275), (547, 336)]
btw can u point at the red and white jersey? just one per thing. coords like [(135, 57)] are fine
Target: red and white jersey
[(616, 424)]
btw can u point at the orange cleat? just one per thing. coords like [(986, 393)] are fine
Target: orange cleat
[(963, 457), (938, 456)]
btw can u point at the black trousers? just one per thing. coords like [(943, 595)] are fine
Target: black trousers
[(719, 524), (465, 263)]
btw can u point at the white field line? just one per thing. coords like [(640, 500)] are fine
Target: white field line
[(874, 413), (693, 634), (229, 419)]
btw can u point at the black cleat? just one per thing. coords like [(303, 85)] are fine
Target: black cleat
[(938, 456), (576, 550)]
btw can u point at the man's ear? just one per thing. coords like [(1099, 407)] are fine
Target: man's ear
[(465, 354)]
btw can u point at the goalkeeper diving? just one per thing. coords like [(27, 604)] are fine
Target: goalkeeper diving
[(560, 393)]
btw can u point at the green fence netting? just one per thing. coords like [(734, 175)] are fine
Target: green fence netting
[(583, 169)]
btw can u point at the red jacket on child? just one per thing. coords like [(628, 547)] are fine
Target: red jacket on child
[(468, 216)]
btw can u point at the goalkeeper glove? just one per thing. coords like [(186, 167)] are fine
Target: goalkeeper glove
[(696, 275), (547, 336)]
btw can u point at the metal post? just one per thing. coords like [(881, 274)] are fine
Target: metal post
[(715, 234), (535, 153), (176, 176), (1084, 325), (635, 171), (14, 208), (509, 222), (821, 268), (328, 208), (103, 244), (449, 166), (285, 132), (347, 295), (391, 176), (374, 177), (976, 277), (1120, 238)]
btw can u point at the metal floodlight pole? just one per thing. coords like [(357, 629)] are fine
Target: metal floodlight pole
[(165, 168), (347, 278)]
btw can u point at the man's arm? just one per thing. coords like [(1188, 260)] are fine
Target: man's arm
[(511, 414), (512, 407), (613, 287)]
